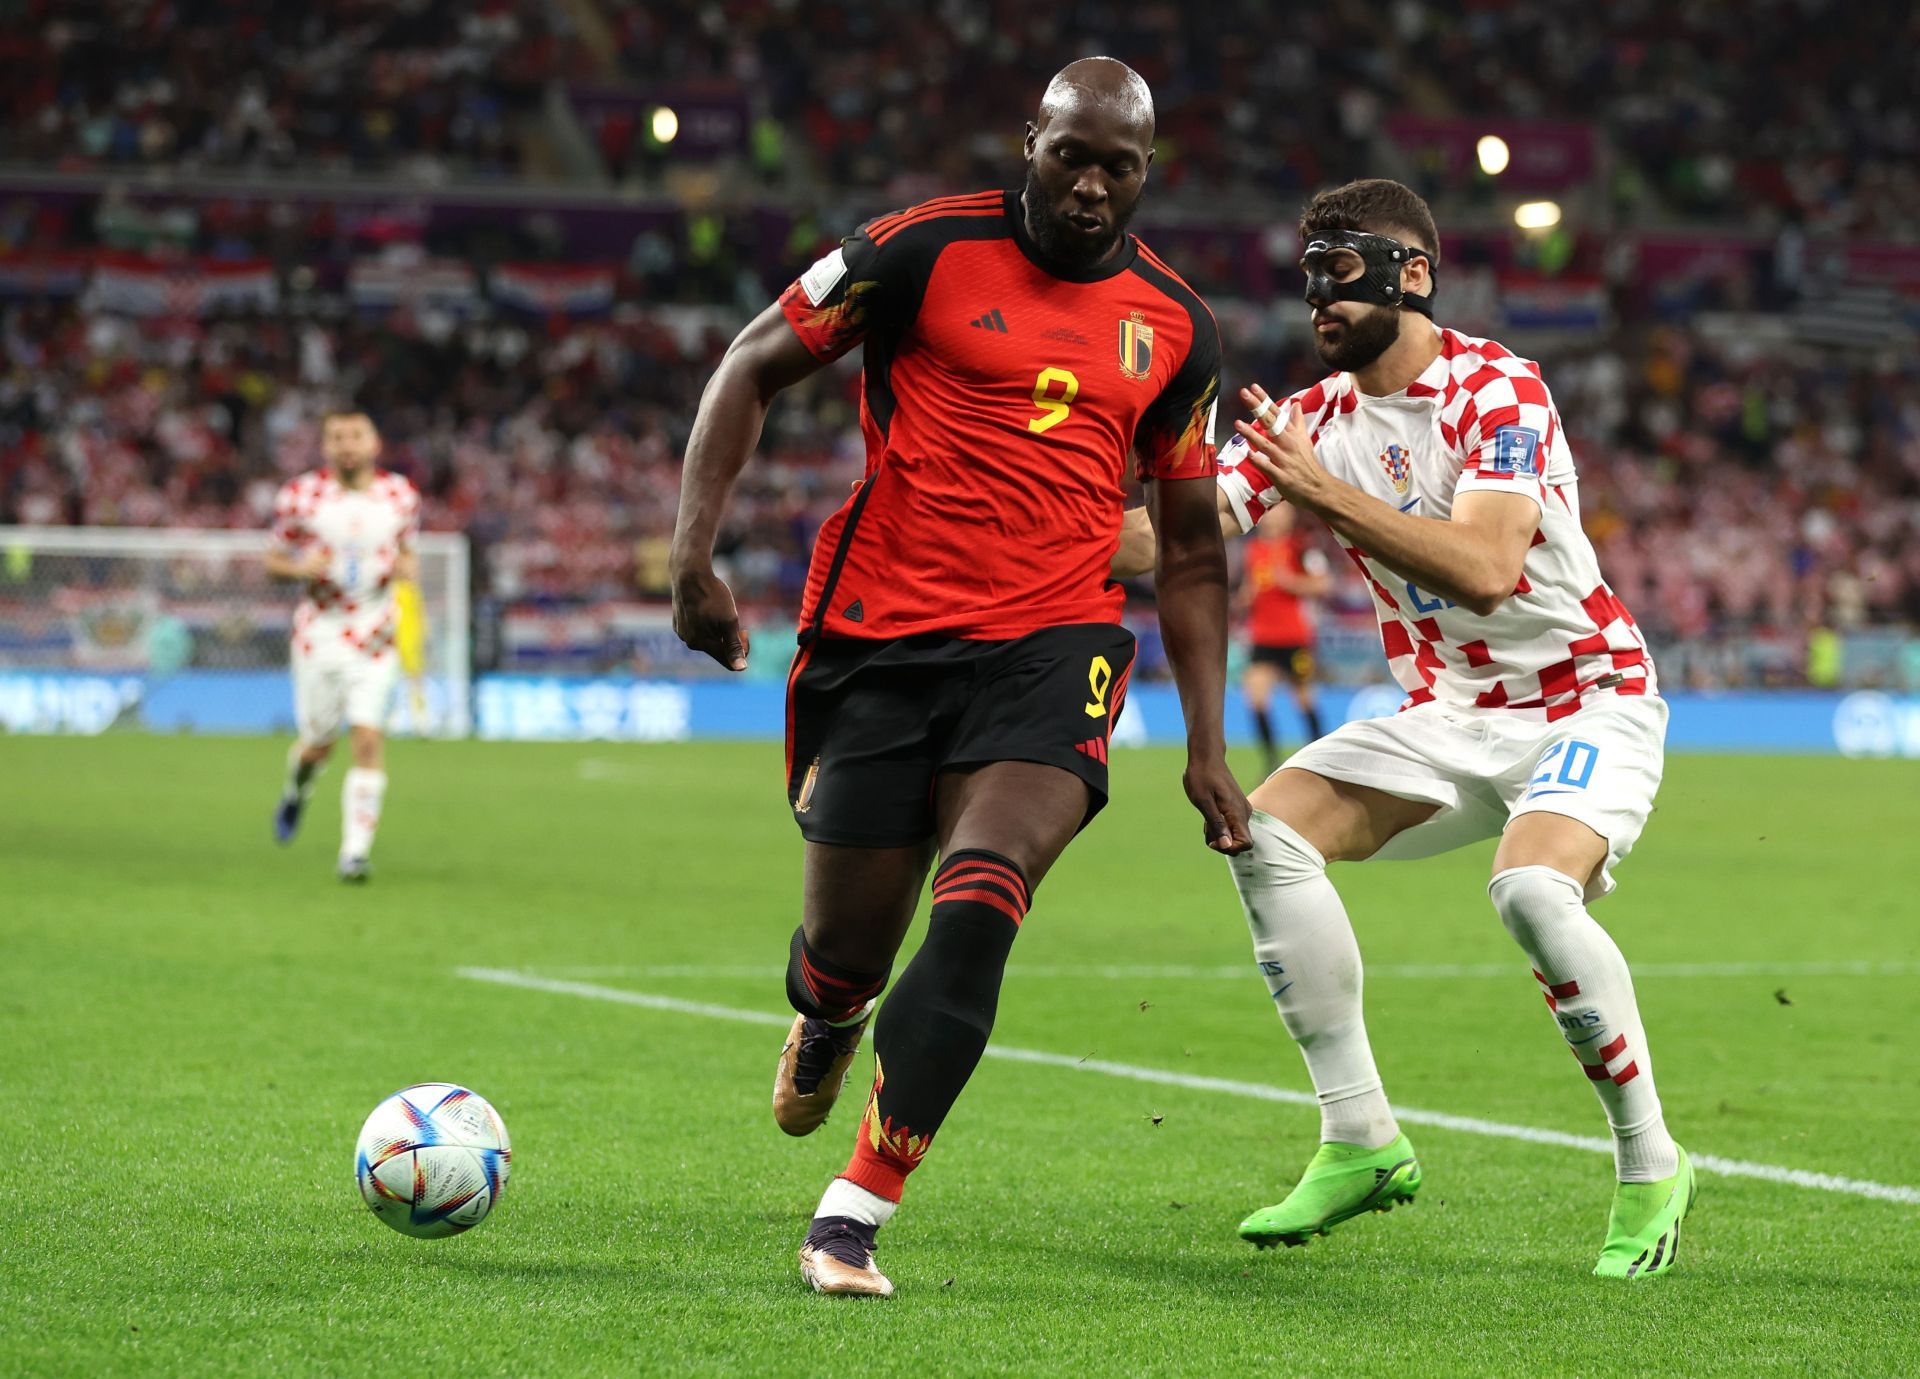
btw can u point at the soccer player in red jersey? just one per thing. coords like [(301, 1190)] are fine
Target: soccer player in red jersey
[(1283, 573), (961, 659)]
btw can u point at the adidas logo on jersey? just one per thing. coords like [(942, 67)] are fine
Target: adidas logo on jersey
[(854, 612), (993, 320)]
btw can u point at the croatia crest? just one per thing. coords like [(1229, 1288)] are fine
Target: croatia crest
[(1136, 345), (1399, 466)]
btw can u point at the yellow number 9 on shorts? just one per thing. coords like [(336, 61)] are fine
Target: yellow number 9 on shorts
[(1099, 681)]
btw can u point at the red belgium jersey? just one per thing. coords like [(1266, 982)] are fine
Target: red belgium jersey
[(1279, 617), (1000, 400)]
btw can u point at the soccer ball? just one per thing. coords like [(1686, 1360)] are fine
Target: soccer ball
[(432, 1160)]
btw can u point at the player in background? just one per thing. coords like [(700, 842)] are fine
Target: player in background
[(1284, 573), (961, 659), (346, 533), (1532, 713)]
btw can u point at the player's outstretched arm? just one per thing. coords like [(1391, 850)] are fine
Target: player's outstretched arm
[(763, 359), (1190, 577), (1136, 550), (1473, 559)]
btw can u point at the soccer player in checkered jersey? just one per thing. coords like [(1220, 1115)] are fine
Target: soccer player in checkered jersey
[(1531, 712), (346, 533)]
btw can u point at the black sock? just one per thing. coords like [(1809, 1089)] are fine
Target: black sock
[(934, 1025), (1312, 714), (1263, 729), (823, 990)]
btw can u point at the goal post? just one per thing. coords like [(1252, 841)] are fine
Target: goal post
[(180, 629)]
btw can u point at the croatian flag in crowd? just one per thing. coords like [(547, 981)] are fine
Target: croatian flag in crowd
[(544, 289)]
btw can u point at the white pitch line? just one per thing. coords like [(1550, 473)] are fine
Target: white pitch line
[(1245, 971), (1257, 1091)]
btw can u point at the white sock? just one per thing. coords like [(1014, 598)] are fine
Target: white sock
[(360, 810), (852, 1019), (300, 772), (1305, 947), (1590, 993), (843, 1198)]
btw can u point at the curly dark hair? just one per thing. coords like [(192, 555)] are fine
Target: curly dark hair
[(1378, 205)]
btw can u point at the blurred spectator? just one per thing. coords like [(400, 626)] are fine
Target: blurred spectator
[(423, 87)]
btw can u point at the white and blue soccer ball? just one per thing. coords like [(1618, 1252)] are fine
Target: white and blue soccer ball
[(433, 1160)]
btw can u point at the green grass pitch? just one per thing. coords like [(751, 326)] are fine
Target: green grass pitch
[(196, 1022)]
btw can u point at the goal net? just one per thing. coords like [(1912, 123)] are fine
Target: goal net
[(178, 630)]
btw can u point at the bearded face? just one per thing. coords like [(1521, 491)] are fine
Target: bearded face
[(1351, 335)]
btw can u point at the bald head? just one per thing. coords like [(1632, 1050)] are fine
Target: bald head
[(1088, 151), (1101, 84)]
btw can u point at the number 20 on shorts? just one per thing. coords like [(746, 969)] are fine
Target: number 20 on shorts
[(1053, 406), (1575, 762)]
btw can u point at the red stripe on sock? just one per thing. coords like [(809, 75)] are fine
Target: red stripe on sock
[(971, 864), (1615, 1049), (1565, 990), (1596, 1072), (1626, 1075), (815, 976), (993, 898), (968, 877)]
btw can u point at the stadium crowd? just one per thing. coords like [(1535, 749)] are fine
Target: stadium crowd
[(1803, 109), (1733, 495), (428, 87), (1743, 497)]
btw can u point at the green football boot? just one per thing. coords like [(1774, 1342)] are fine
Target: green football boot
[(1643, 1229), (1341, 1182)]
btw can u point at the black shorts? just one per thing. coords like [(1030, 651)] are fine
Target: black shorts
[(870, 725), (1294, 662)]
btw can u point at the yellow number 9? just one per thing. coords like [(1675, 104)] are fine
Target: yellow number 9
[(1055, 408), (1099, 681)]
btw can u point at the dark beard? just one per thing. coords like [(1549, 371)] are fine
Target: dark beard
[(1362, 342), (1053, 239)]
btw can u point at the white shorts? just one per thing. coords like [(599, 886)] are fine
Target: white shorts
[(341, 687), (1601, 766)]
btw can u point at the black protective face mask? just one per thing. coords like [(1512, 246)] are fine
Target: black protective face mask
[(1378, 285)]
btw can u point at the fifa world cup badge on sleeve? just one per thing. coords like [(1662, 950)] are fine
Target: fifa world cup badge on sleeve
[(1516, 450), (819, 280)]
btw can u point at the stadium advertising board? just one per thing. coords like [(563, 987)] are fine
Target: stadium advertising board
[(551, 708)]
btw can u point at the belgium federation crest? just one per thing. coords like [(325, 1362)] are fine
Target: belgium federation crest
[(1399, 466), (1136, 345)]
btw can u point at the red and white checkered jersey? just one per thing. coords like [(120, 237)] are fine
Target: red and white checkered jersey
[(1479, 418), (362, 532)]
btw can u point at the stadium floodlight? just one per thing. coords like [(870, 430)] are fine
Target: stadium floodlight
[(1494, 154), (665, 124), (1537, 215)]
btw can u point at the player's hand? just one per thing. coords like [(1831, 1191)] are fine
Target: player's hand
[(704, 617), (1221, 802), (314, 565), (1286, 457)]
